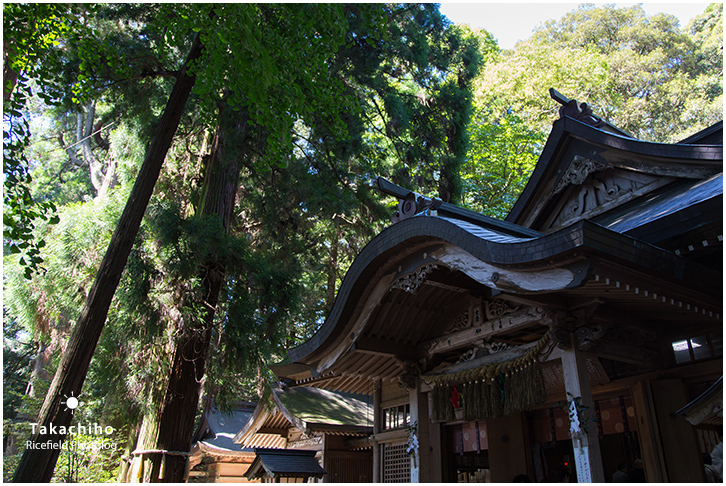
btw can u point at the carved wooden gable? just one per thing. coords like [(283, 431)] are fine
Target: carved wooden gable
[(590, 187)]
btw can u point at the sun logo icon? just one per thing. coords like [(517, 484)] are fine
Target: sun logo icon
[(71, 403)]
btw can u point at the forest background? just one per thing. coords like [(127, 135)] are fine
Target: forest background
[(266, 193)]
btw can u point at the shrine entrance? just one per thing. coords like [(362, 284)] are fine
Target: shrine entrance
[(614, 419), (467, 453)]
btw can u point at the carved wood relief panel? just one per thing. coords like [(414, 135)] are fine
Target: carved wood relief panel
[(591, 187)]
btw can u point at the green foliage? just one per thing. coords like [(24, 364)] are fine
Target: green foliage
[(20, 210), (17, 353), (702, 89), (414, 89), (519, 81), (31, 31), (641, 73), (88, 459), (503, 154), (279, 69), (43, 311), (57, 49)]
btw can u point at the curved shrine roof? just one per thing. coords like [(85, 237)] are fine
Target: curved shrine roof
[(406, 287)]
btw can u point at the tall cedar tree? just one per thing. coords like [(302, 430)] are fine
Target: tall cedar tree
[(37, 465), (171, 427)]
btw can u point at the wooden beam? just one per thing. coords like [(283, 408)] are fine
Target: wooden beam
[(467, 337), (586, 445), (626, 353), (353, 429), (384, 348), (272, 431), (551, 301), (358, 443), (506, 355), (390, 435)]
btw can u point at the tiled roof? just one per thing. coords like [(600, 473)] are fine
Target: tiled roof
[(661, 204), (318, 406), (486, 233), (223, 428), (285, 463)]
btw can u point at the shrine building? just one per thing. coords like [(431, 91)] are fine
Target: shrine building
[(568, 334)]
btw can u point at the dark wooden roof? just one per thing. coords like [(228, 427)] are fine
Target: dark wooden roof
[(373, 332), (624, 253), (692, 207), (310, 410), (571, 139), (217, 428), (712, 135), (461, 214), (284, 463)]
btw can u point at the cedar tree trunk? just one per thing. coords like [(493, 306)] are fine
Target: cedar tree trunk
[(37, 465), (177, 413)]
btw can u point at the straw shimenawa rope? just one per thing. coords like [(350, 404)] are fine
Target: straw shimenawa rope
[(493, 390)]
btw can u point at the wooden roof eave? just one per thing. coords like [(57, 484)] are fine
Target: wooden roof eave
[(240, 455), (451, 210), (705, 134), (568, 135), (353, 430), (369, 278), (293, 419), (575, 243), (257, 420)]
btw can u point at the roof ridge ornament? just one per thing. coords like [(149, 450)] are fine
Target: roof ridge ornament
[(570, 108), (584, 114), (413, 204)]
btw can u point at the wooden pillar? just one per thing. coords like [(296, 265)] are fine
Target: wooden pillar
[(377, 428), (587, 457), (435, 447), (668, 443), (421, 458), (509, 448)]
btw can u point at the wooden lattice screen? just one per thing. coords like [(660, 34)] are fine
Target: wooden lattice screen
[(396, 464)]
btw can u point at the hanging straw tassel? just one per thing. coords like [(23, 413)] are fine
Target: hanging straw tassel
[(527, 382), (539, 390), (448, 406), (467, 401), (481, 399), (443, 410), (493, 390), (495, 396), (472, 401), (510, 392), (435, 404), (484, 399)]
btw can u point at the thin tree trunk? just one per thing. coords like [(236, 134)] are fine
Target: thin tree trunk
[(10, 76), (176, 416), (84, 130), (37, 465)]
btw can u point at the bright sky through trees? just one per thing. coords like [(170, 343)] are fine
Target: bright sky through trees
[(514, 21)]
